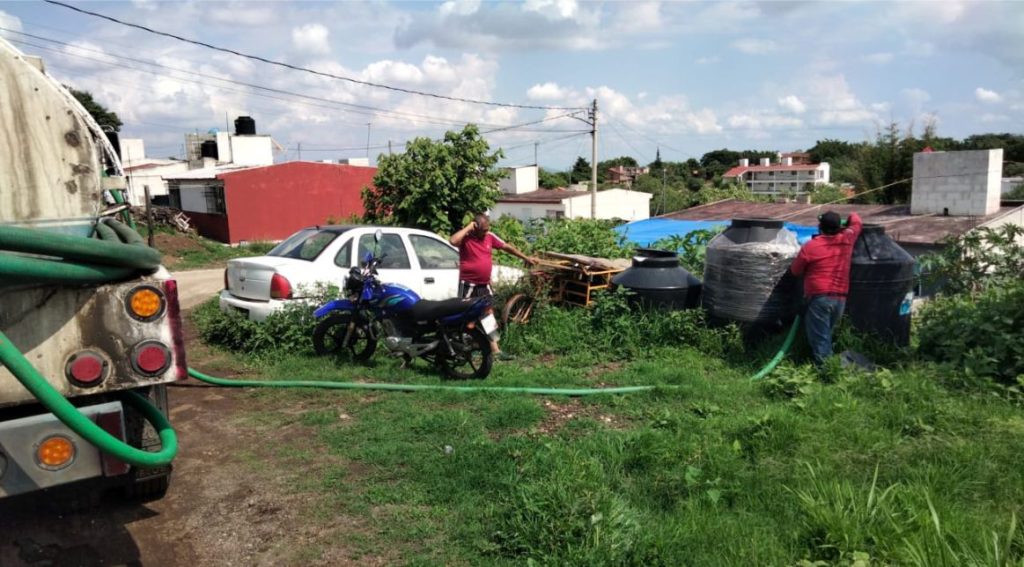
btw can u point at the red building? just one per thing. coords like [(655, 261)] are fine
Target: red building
[(234, 204)]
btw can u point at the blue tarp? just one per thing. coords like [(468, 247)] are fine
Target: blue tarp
[(645, 232)]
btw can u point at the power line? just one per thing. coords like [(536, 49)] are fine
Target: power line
[(305, 69), (350, 107)]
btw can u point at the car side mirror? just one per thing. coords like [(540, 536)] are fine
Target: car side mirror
[(377, 235)]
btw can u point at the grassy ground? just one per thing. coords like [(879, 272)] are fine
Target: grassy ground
[(191, 252), (887, 468)]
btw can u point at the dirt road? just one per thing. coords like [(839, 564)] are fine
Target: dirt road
[(196, 286)]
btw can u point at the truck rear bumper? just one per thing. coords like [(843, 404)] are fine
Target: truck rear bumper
[(21, 467)]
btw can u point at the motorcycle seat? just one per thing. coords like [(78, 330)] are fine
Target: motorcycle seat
[(430, 310)]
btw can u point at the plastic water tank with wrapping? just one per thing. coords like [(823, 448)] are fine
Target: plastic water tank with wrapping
[(746, 273)]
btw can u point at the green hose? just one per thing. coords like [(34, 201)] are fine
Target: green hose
[(414, 387), (34, 382), (786, 344), (574, 392)]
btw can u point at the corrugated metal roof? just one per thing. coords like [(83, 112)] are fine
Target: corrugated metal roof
[(897, 220)]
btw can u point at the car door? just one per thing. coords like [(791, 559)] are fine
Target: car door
[(395, 267), (439, 266)]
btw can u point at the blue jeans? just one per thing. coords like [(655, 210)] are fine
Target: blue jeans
[(823, 314)]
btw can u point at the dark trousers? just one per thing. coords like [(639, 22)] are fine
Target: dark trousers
[(822, 316)]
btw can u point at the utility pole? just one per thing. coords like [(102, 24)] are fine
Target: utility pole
[(368, 138), (389, 147), (593, 158), (300, 151), (535, 144)]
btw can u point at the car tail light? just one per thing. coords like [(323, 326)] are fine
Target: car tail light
[(86, 368), (151, 358), (146, 303), (55, 452), (280, 287)]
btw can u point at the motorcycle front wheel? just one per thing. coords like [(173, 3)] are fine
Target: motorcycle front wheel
[(473, 357), (329, 338)]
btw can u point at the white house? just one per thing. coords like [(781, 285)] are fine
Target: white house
[(563, 203), (785, 176)]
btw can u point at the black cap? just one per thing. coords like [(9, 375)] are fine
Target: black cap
[(830, 222)]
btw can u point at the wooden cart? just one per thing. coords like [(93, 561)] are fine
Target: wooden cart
[(566, 279)]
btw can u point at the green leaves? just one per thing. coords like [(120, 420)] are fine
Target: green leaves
[(435, 185)]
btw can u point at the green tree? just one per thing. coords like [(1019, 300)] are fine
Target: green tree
[(580, 171), (435, 185), (552, 179), (106, 118)]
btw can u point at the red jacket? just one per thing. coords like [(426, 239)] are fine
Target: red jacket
[(824, 262)]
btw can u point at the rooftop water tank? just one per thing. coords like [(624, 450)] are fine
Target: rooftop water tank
[(659, 281), (208, 149), (245, 126), (881, 286), (746, 273)]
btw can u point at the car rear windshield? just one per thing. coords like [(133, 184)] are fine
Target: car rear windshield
[(306, 244)]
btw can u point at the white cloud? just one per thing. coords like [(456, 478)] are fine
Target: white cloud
[(793, 104), (985, 95), (880, 58), (459, 7), (880, 106), (838, 104), (753, 46), (708, 60), (243, 14), (553, 9), (642, 17), (547, 91), (916, 96), (763, 121), (10, 22), (919, 48), (311, 38), (388, 71), (989, 118)]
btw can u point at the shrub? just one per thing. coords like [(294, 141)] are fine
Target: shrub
[(588, 237), (691, 247), (977, 259), (287, 330), (982, 333)]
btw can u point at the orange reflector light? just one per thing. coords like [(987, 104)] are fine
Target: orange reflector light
[(145, 303), (55, 452)]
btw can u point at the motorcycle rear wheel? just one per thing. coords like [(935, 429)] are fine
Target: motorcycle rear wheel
[(329, 334), (473, 357)]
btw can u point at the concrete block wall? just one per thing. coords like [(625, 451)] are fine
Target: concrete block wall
[(960, 183)]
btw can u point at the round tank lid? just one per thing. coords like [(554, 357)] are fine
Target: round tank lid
[(756, 223), (873, 229), (655, 253)]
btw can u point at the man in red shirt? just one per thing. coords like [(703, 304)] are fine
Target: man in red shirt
[(824, 263), (476, 243)]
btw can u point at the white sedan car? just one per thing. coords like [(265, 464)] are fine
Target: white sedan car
[(420, 260)]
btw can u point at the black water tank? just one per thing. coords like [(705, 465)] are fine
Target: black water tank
[(208, 149), (659, 281), (881, 286), (245, 126), (746, 273)]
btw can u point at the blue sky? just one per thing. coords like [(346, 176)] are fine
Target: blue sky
[(688, 77)]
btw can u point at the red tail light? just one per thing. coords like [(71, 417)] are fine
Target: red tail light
[(280, 287), (86, 368), (151, 358)]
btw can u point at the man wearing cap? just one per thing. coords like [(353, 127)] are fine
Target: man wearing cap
[(824, 264)]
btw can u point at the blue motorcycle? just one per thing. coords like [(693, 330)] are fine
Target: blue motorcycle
[(453, 334)]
